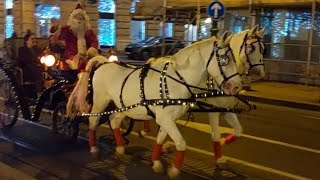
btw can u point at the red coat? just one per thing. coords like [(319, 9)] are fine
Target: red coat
[(71, 48)]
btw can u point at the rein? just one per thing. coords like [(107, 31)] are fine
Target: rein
[(164, 101)]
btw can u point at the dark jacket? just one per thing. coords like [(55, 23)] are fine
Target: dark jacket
[(30, 64)]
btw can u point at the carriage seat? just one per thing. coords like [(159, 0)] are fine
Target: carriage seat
[(70, 75)]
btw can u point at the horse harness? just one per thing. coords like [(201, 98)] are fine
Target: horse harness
[(165, 99), (164, 91), (248, 49), (222, 61)]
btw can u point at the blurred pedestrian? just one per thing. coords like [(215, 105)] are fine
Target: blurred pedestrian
[(5, 52), (29, 62)]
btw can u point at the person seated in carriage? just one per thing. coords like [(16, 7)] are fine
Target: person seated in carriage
[(28, 61), (79, 40)]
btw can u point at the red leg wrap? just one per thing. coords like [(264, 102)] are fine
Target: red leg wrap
[(230, 138), (92, 138), (179, 160), (117, 134), (217, 150), (146, 126), (156, 152)]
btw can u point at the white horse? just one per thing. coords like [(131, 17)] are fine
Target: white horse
[(125, 86), (248, 50)]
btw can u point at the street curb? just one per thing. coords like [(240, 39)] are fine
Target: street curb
[(8, 172), (278, 102)]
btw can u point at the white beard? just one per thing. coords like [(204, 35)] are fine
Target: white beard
[(79, 31)]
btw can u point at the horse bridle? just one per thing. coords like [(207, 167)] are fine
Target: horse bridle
[(245, 46), (215, 51)]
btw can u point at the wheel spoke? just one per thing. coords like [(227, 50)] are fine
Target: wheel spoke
[(8, 104)]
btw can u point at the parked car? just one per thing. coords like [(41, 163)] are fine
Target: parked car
[(152, 47)]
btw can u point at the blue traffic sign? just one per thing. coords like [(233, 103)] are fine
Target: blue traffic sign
[(216, 10)]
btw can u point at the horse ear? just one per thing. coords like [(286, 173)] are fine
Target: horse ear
[(227, 41), (260, 33), (222, 39), (253, 31)]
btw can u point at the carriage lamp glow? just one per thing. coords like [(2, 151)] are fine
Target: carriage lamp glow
[(113, 58), (48, 60)]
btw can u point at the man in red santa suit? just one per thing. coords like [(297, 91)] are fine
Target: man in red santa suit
[(80, 41)]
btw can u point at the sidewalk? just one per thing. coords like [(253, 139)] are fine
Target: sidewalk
[(10, 173), (285, 94)]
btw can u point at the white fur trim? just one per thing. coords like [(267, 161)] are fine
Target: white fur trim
[(82, 44), (76, 11)]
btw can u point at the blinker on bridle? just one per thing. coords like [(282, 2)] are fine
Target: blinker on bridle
[(245, 47), (220, 63)]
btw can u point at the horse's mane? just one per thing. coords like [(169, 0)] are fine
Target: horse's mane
[(186, 52), (236, 43)]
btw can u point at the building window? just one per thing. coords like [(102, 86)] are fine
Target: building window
[(284, 28), (235, 23), (106, 6), (168, 31), (240, 23), (106, 23), (315, 56), (43, 14), (9, 4), (190, 33), (205, 28), (133, 6), (137, 31), (106, 34), (9, 26)]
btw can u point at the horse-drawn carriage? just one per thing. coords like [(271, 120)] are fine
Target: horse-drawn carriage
[(181, 74), (15, 102)]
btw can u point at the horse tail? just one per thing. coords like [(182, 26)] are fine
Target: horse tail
[(77, 99)]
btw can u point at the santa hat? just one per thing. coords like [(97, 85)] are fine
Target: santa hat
[(78, 9)]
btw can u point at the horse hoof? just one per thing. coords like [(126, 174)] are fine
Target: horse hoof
[(120, 150), (221, 163), (94, 150), (173, 172), (157, 167)]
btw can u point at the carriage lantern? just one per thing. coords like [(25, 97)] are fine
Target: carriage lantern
[(48, 60), (113, 58)]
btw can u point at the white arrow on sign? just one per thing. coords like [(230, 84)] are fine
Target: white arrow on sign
[(216, 7)]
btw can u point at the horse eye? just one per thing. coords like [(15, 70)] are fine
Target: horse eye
[(224, 60), (249, 49)]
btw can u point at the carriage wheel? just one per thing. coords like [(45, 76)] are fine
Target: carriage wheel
[(9, 108), (62, 127), (126, 126)]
